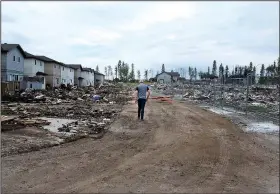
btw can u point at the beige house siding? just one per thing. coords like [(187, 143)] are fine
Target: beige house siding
[(164, 78), (54, 74)]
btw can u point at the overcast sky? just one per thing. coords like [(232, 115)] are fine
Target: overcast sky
[(178, 34)]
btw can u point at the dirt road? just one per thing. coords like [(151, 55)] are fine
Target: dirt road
[(179, 148)]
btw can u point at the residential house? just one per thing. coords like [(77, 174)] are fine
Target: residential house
[(34, 72), (77, 74), (67, 74), (168, 77), (175, 76), (53, 69), (90, 75), (12, 62), (99, 78), (86, 74)]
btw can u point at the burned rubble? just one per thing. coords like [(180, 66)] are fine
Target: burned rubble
[(260, 99), (92, 108)]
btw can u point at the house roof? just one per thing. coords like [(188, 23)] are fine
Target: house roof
[(47, 59), (7, 47), (88, 69), (170, 73), (75, 66), (28, 55), (97, 73)]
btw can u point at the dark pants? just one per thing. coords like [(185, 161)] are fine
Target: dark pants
[(141, 106)]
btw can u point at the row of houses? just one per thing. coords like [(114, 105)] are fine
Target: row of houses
[(38, 72)]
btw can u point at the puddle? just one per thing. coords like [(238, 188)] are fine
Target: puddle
[(56, 123), (224, 111), (263, 127), (220, 111)]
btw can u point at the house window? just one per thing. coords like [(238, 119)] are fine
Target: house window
[(18, 59), (16, 78), (57, 81), (71, 81), (30, 86), (40, 63), (35, 62), (54, 66), (62, 68), (14, 58)]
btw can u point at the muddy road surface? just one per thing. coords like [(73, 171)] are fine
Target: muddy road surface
[(178, 148)]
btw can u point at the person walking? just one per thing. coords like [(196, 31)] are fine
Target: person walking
[(142, 96)]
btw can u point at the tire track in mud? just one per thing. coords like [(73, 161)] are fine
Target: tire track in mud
[(221, 166), (176, 117)]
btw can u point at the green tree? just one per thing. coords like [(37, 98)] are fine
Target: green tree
[(246, 71), (125, 71), (146, 74), (221, 71), (236, 70), (262, 71), (132, 73), (214, 69), (250, 67), (240, 71), (162, 68), (138, 75), (116, 71), (227, 72), (119, 69), (254, 75)]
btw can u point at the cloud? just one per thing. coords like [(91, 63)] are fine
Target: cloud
[(147, 34), (8, 19), (161, 12), (94, 37)]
